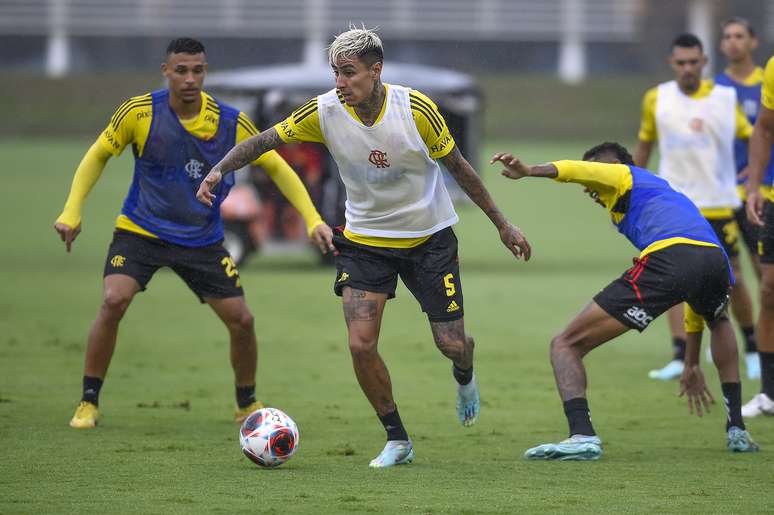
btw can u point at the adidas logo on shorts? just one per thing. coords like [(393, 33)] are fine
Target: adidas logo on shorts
[(453, 306)]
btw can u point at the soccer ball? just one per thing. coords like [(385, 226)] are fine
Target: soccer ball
[(268, 437)]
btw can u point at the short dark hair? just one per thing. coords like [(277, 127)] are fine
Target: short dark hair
[(738, 20), (687, 40), (185, 46), (609, 147)]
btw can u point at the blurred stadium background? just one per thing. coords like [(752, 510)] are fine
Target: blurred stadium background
[(102, 51), (556, 76)]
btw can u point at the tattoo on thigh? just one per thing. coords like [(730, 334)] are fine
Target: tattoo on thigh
[(358, 308)]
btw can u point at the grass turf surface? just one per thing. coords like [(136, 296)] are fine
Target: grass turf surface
[(167, 442)]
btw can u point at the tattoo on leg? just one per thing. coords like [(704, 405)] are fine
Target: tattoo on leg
[(358, 308), (451, 340)]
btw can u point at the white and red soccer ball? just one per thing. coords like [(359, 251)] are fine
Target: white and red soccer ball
[(268, 437)]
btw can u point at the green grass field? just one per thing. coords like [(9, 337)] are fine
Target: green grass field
[(167, 443)]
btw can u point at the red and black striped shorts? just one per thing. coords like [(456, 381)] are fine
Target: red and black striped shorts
[(698, 275)]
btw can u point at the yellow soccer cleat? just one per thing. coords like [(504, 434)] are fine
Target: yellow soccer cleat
[(86, 415), (242, 413)]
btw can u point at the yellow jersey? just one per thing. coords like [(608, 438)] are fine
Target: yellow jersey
[(304, 125), (767, 90)]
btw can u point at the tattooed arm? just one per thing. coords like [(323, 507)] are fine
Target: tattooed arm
[(246, 152), (471, 184)]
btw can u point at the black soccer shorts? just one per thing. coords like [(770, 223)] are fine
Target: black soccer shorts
[(430, 271), (727, 231), (208, 271), (694, 274)]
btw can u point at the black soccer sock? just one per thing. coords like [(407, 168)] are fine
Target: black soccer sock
[(245, 395), (750, 343), (91, 388), (767, 373), (394, 426), (578, 417), (678, 348), (462, 377), (732, 395)]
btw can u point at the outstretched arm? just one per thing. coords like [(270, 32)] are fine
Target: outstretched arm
[(515, 169), (471, 184), (68, 225), (239, 156)]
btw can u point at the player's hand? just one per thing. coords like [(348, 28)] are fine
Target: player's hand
[(322, 236), (205, 194), (514, 169), (693, 386), (515, 241), (67, 233), (755, 207)]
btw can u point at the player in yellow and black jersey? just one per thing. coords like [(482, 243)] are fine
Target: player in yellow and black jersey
[(176, 135), (303, 125), (388, 142)]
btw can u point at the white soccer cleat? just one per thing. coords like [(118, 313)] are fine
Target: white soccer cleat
[(752, 363), (468, 403), (396, 452), (672, 370), (575, 448), (760, 404)]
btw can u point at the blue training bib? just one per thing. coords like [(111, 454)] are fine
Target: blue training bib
[(162, 197)]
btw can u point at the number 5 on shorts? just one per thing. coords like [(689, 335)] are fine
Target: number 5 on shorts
[(447, 282)]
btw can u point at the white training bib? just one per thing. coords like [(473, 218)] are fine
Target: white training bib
[(394, 188), (696, 142)]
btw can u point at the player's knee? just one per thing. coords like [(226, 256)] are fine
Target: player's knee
[(361, 347), (562, 342), (245, 321), (452, 348), (115, 303)]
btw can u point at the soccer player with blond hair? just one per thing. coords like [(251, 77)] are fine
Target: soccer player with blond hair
[(177, 134), (389, 142)]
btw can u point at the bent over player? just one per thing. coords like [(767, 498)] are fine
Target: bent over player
[(387, 140), (176, 134), (681, 260)]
